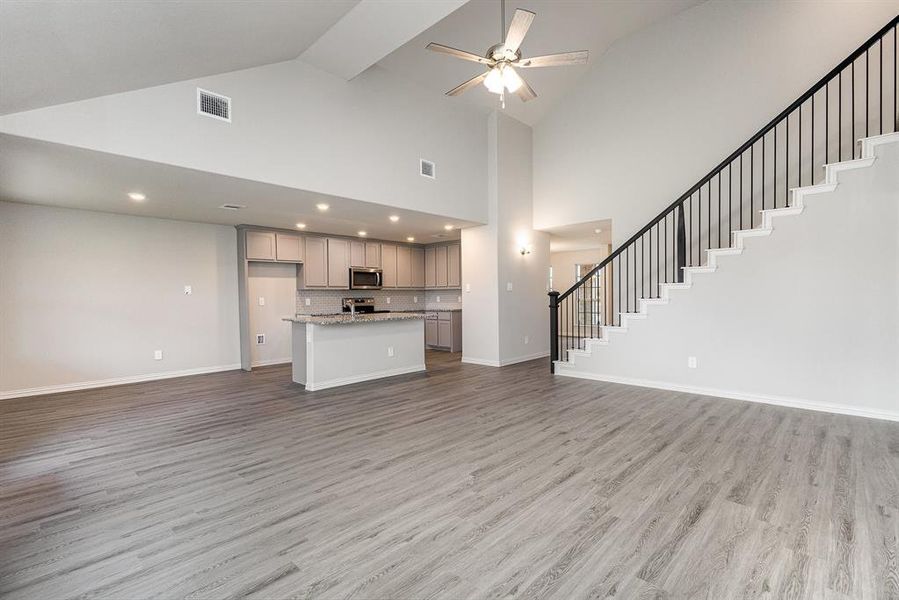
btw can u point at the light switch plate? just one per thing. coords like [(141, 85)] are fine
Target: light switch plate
[(157, 355), (261, 301), (388, 299), (468, 287), (691, 362), (508, 286), (438, 298), (308, 301), (390, 351), (188, 290)]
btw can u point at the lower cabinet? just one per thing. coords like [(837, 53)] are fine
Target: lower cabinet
[(444, 331)]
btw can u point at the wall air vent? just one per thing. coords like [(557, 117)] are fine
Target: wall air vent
[(232, 206), (428, 169), (213, 105)]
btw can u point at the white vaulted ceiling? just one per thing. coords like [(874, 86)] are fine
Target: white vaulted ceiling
[(54, 52), (560, 26)]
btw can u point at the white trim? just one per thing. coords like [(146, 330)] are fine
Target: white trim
[(840, 409), (504, 363), (314, 387), (271, 361), (101, 383)]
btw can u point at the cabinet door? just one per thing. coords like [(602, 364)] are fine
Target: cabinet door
[(403, 266), (372, 255), (431, 332), (441, 266), (430, 267), (444, 334), (388, 264), (357, 254), (260, 245), (454, 266), (418, 268), (338, 263), (289, 248), (315, 267)]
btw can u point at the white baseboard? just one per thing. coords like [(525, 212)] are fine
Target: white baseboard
[(271, 361), (101, 383), (504, 363), (840, 409), (323, 385)]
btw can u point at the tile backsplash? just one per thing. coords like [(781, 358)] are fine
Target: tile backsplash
[(330, 301)]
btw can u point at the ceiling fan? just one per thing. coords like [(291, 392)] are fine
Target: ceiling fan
[(502, 59)]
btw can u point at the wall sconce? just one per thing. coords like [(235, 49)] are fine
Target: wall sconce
[(525, 249)]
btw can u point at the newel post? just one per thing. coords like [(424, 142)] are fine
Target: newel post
[(553, 330)]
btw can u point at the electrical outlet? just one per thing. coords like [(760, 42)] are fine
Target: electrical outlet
[(260, 339), (157, 355), (459, 298), (691, 362), (438, 298), (308, 301), (261, 301), (188, 290), (388, 299), (508, 286), (527, 339), (390, 351), (415, 299)]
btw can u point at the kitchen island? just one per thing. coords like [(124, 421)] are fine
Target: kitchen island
[(334, 350)]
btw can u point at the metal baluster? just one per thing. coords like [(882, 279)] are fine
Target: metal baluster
[(852, 141), (827, 122), (812, 178), (752, 186), (867, 103)]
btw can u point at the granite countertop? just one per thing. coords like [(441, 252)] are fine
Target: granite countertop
[(347, 319)]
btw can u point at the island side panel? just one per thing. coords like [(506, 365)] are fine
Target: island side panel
[(349, 353), (299, 352)]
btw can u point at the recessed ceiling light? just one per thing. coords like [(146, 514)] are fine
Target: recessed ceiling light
[(394, 218), (137, 196), (362, 233), (322, 206), (597, 231), (448, 227), (301, 226), (410, 239)]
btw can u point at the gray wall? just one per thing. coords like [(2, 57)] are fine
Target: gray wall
[(665, 105), (808, 316), (88, 297)]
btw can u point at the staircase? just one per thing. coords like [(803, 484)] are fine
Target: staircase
[(835, 127)]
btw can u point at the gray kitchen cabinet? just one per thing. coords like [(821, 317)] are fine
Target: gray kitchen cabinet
[(454, 265), (444, 334), (338, 263), (372, 254), (403, 267), (260, 245), (315, 266), (288, 248), (431, 334), (430, 267), (441, 266), (418, 268), (388, 265), (357, 254)]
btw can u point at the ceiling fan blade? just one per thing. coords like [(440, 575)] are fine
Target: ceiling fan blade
[(521, 22), (525, 92), (459, 54), (554, 60), (468, 84)]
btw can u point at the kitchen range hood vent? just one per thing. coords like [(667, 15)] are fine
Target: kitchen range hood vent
[(428, 169), (213, 105)]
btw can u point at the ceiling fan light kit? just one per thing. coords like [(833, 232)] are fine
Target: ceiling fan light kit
[(502, 59)]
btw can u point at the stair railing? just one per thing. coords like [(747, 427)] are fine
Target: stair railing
[(858, 98)]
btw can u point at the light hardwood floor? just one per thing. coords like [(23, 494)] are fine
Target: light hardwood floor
[(463, 482)]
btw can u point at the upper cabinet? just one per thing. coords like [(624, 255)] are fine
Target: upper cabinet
[(260, 245), (357, 254), (338, 263), (288, 248), (403, 267), (388, 264), (372, 254), (443, 266), (315, 267), (418, 268)]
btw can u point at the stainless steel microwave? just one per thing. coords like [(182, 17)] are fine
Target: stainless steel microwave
[(366, 279)]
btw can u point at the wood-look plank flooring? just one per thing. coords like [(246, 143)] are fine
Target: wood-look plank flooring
[(462, 482)]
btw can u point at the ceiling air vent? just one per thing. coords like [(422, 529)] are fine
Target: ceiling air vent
[(213, 105), (232, 206), (428, 169)]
